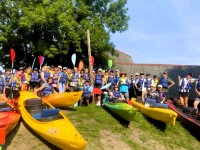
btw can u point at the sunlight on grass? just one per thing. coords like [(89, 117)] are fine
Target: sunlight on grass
[(141, 133)]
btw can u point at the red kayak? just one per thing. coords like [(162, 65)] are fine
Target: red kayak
[(189, 119), (8, 121)]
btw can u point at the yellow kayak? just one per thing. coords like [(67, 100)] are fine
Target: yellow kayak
[(164, 115), (50, 123), (63, 99)]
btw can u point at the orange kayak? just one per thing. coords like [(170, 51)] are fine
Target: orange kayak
[(63, 99), (8, 121)]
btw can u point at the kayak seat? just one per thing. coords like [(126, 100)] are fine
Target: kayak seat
[(33, 101), (153, 103), (3, 104), (47, 113), (5, 109)]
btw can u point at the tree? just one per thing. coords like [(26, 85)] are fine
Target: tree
[(57, 29)]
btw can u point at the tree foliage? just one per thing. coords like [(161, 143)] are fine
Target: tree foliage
[(57, 29)]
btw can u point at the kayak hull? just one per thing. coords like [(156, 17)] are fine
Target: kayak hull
[(8, 121), (63, 99), (185, 119), (123, 110), (161, 114), (59, 132)]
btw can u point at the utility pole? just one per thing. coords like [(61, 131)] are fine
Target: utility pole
[(89, 57)]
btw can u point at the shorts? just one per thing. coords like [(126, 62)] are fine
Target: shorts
[(96, 85), (87, 98), (184, 94)]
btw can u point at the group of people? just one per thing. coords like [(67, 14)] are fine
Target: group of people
[(52, 79)]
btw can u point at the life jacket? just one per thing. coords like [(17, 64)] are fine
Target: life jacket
[(69, 77), (55, 78), (140, 83), (111, 79), (46, 75), (98, 79), (150, 94), (7, 79), (80, 83), (48, 90), (26, 77), (86, 92), (183, 87), (147, 83), (116, 79), (164, 82), (34, 77), (123, 81), (2, 82), (75, 77), (63, 78), (161, 94), (23, 78), (86, 76), (15, 82), (117, 94)]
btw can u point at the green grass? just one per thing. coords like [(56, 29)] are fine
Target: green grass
[(103, 130)]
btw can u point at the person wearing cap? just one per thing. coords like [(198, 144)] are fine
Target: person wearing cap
[(147, 82), (2, 83), (184, 89), (59, 68), (123, 85), (7, 80), (44, 75), (166, 83), (150, 93), (35, 78), (46, 88), (197, 90), (87, 94), (161, 94), (98, 82), (139, 84), (63, 80), (111, 79)]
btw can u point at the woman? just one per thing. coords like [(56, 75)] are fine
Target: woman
[(26, 79), (151, 93), (46, 88), (123, 85), (15, 83), (116, 95)]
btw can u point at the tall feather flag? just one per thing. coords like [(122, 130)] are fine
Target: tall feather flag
[(110, 63)]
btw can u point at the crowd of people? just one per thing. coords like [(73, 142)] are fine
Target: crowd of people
[(52, 79)]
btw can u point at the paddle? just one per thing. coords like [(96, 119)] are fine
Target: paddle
[(73, 58), (41, 60), (12, 57), (106, 86), (80, 65), (33, 62), (110, 63), (92, 60)]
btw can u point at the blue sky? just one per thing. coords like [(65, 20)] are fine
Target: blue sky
[(162, 32)]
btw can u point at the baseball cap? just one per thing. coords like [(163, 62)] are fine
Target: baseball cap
[(52, 66), (64, 68), (35, 68), (160, 85), (60, 67), (21, 68), (99, 69), (117, 70), (137, 74)]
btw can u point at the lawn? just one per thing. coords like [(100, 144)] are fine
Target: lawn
[(103, 130)]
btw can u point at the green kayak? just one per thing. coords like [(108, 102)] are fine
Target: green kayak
[(123, 110)]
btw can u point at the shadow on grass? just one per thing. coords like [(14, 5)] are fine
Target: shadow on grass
[(158, 124), (49, 145), (192, 131), (68, 108), (123, 122), (11, 135)]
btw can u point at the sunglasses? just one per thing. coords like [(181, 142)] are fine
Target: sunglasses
[(116, 87)]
